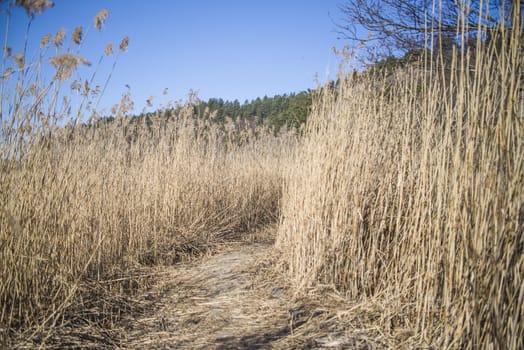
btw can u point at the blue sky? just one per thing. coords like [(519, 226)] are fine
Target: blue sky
[(232, 49)]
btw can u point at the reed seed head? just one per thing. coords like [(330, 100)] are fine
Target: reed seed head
[(149, 101), (109, 49), (7, 73), (124, 44), (45, 40), (66, 63), (77, 35), (100, 18), (20, 60), (58, 39), (75, 85), (86, 88), (34, 6), (8, 51)]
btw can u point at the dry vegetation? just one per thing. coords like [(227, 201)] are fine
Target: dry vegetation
[(90, 203), (404, 194), (84, 208), (407, 194), (94, 203)]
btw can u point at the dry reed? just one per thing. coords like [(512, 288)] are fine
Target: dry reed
[(91, 203), (407, 192), (85, 206)]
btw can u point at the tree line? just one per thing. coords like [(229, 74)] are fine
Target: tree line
[(290, 110), (286, 110)]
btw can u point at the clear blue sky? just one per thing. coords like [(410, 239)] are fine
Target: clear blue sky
[(232, 49)]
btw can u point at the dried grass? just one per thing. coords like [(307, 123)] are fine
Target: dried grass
[(400, 215), (407, 196), (86, 208), (223, 301), (90, 203)]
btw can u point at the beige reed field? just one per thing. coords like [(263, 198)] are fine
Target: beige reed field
[(92, 204), (403, 195), (407, 193)]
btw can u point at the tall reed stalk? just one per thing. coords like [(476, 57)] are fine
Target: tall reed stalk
[(409, 189)]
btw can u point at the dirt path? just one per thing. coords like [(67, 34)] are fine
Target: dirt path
[(221, 302), (235, 299)]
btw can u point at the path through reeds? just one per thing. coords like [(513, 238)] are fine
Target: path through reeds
[(234, 300)]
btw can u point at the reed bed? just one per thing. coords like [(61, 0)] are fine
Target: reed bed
[(406, 195), (90, 207), (93, 203)]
